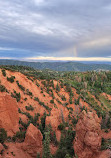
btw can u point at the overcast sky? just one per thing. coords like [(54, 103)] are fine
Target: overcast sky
[(55, 29)]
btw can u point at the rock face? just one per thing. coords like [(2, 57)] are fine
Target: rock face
[(8, 113), (33, 141), (54, 120), (17, 150), (88, 135), (24, 118)]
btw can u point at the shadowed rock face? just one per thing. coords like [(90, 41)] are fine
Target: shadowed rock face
[(88, 135), (8, 113)]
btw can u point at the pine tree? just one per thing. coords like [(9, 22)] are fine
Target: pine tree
[(46, 148), (38, 155), (57, 87), (54, 138), (61, 144), (52, 84), (67, 156)]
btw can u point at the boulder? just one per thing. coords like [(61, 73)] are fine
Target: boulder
[(33, 141), (9, 116)]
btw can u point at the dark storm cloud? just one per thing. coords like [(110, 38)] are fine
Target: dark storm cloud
[(55, 28)]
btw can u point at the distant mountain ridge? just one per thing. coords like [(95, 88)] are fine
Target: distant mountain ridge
[(58, 66)]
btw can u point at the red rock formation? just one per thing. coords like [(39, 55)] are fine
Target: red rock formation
[(88, 135), (104, 154), (88, 138), (27, 149), (16, 149), (54, 120), (53, 149), (24, 118), (8, 113), (33, 141)]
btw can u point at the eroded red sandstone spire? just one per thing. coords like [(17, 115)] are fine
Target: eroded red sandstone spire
[(33, 141), (88, 136), (9, 117)]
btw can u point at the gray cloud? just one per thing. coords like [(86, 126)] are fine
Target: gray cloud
[(55, 28)]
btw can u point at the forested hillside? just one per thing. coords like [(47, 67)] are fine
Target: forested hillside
[(59, 66)]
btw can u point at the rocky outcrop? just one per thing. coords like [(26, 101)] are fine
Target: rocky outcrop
[(24, 118), (14, 151), (8, 113), (54, 120), (33, 141), (88, 135)]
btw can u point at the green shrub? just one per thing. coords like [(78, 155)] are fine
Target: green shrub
[(5, 146), (12, 153), (61, 153), (65, 104), (28, 92), (3, 135), (61, 127), (24, 125), (108, 124), (58, 101), (70, 100), (20, 86), (19, 110), (32, 119), (83, 108), (19, 135), (57, 87), (3, 72), (63, 97), (68, 87), (61, 84), (16, 95), (37, 84), (30, 78), (105, 144), (29, 108), (35, 119), (2, 88), (53, 138), (42, 104), (11, 79), (25, 99), (74, 121), (102, 143), (52, 101), (36, 99)]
